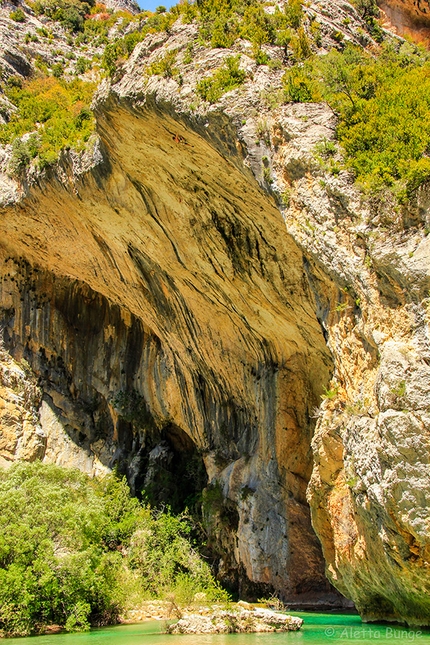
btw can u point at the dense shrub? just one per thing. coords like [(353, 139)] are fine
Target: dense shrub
[(164, 66), (226, 78), (300, 85), (301, 45), (294, 13), (257, 26), (57, 70), (75, 550), (53, 564), (223, 21), (382, 103), (119, 50), (366, 8), (69, 13), (18, 15), (57, 109), (82, 65)]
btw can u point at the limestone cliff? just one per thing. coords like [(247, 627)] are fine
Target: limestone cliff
[(408, 17), (166, 276), (164, 305)]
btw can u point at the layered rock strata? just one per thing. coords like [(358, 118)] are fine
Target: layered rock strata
[(159, 297)]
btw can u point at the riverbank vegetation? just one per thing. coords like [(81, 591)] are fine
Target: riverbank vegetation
[(76, 551)]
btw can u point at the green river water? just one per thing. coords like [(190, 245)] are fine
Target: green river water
[(317, 629)]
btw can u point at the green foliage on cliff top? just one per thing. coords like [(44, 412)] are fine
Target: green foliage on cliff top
[(84, 15), (382, 103), (120, 49), (381, 97), (383, 106), (76, 551), (222, 22), (56, 112), (69, 13)]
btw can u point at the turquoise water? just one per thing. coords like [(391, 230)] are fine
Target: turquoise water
[(317, 629)]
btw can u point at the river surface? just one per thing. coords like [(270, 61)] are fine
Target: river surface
[(318, 629)]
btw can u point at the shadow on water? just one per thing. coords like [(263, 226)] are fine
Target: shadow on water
[(338, 629)]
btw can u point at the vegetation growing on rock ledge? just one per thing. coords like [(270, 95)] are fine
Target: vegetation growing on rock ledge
[(226, 78), (382, 103), (76, 551), (381, 94), (55, 112)]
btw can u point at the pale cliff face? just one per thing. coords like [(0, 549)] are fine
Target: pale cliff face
[(169, 312)]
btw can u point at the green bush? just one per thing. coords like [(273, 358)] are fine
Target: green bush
[(120, 49), (226, 78), (74, 550), (57, 70), (223, 21), (294, 13), (18, 15), (22, 153), (257, 26), (69, 13), (52, 566), (164, 66), (31, 38), (162, 552), (300, 45), (383, 105), (300, 86), (82, 65), (366, 8), (57, 109)]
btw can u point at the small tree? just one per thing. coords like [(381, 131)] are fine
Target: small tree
[(367, 8)]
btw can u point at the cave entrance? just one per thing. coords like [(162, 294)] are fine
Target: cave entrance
[(173, 472)]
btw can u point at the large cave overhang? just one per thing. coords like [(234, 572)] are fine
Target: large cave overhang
[(165, 273)]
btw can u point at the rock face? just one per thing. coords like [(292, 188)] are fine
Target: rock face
[(176, 301), (236, 622), (408, 17), (20, 397), (122, 5), (161, 299)]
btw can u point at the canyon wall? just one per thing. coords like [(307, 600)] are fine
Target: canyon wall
[(177, 302), (161, 303), (407, 18)]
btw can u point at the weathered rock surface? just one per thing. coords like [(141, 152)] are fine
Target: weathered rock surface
[(20, 397), (169, 276), (236, 621), (408, 17), (122, 5), (171, 316)]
